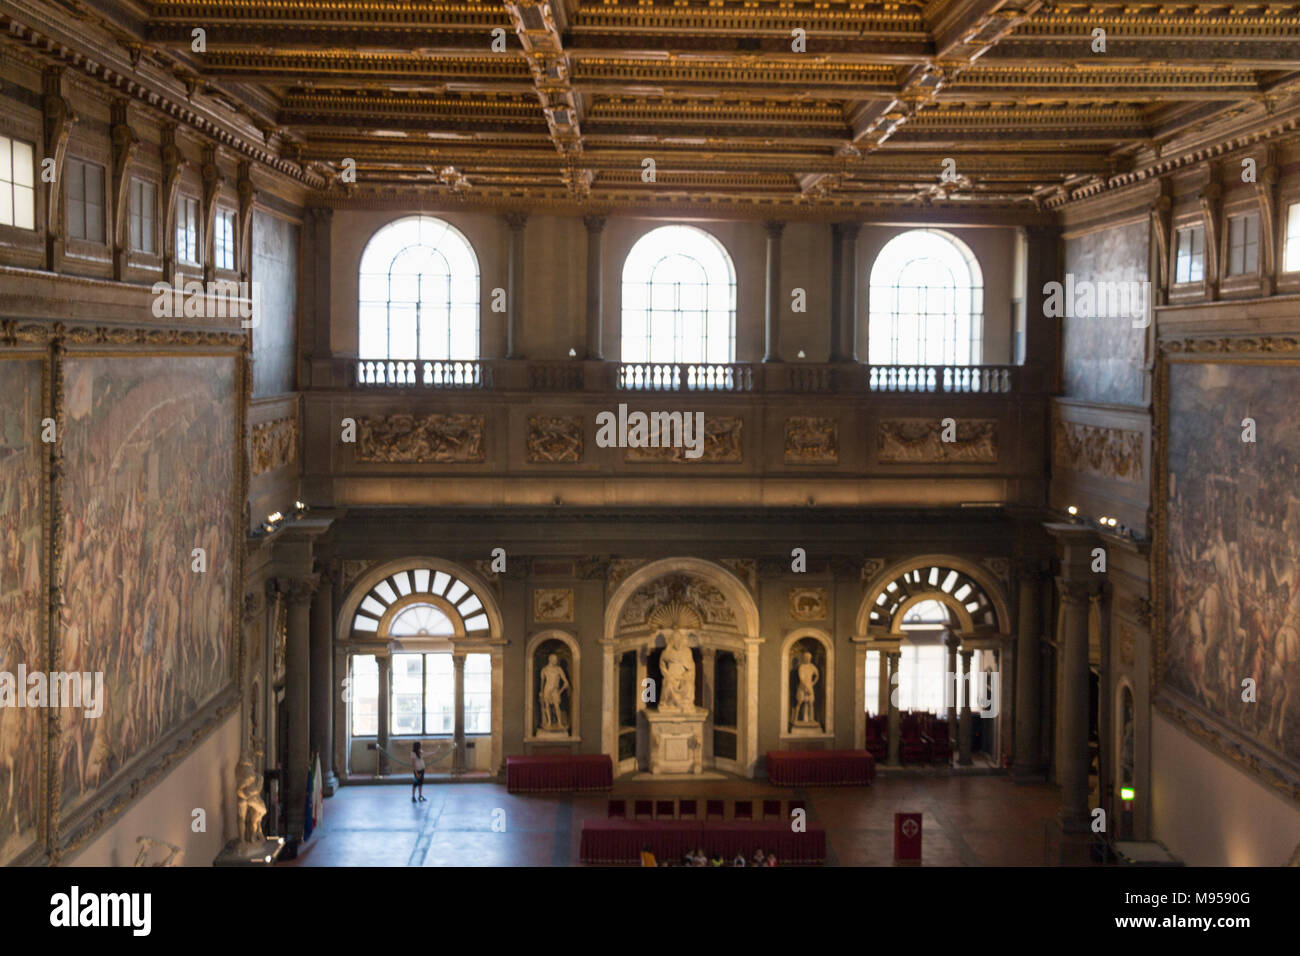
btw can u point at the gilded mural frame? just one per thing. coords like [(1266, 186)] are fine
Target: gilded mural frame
[(1273, 769), (31, 342), (70, 832)]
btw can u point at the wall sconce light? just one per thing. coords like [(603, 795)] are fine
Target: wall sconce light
[(272, 522), (1074, 512), (801, 355), (300, 508)]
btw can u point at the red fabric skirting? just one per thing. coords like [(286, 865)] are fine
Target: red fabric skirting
[(620, 841), (559, 773), (793, 768)]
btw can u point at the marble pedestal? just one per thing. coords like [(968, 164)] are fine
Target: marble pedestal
[(676, 741)]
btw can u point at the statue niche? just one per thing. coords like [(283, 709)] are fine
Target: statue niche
[(553, 689), (807, 685)]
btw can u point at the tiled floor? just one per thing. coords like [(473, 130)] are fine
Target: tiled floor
[(981, 820)]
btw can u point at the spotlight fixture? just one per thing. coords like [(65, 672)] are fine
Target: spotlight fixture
[(801, 354), (272, 522), (573, 353), (1074, 512), (300, 508)]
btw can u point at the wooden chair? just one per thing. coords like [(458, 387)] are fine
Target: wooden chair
[(618, 808)]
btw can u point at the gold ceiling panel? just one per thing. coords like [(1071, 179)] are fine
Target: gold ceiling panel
[(752, 104)]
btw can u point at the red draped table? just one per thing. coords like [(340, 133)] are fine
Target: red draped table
[(794, 768), (551, 773), (620, 841)]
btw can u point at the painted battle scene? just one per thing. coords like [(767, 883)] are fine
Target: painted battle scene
[(21, 640), (149, 453), (1232, 568)]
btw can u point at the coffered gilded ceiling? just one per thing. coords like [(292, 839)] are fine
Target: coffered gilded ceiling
[(815, 106)]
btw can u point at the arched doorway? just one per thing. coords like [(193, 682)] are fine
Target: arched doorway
[(420, 641), (706, 620), (933, 617)]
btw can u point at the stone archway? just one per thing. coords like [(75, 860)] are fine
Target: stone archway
[(976, 605), (375, 602), (707, 611)]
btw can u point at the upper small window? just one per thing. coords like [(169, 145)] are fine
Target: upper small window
[(17, 184), (679, 298), (419, 293), (1243, 244), (187, 230), (223, 241), (1292, 260), (144, 206), (85, 193), (927, 302), (1189, 262)]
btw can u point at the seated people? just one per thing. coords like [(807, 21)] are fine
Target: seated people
[(759, 858), (739, 860), (647, 856), (771, 860), (717, 860)]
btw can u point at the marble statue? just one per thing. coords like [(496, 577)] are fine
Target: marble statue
[(806, 697), (677, 666), (554, 684), (248, 790)]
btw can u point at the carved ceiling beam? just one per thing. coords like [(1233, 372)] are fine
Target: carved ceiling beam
[(960, 34), (539, 34)]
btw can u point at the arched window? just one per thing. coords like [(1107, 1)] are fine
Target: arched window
[(419, 293), (679, 298), (421, 603), (927, 302)]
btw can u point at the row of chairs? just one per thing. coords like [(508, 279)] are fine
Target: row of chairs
[(684, 808), (923, 738)]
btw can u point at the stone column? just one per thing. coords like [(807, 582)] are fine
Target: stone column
[(595, 273), (953, 687), (966, 715), (751, 706), (772, 323), (1073, 759), (458, 731), (1028, 653), (844, 307), (609, 702), (515, 284), (496, 762), (385, 665), (297, 682), (710, 665), (894, 657), (322, 685)]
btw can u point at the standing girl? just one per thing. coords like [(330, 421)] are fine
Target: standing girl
[(417, 765)]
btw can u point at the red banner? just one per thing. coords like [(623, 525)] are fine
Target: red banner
[(907, 838)]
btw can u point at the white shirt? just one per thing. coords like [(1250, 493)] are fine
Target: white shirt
[(417, 762)]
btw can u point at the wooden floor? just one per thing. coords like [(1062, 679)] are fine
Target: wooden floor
[(970, 820)]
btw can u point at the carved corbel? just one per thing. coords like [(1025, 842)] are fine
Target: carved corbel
[(247, 194), (125, 145), (211, 190), (58, 122), (173, 164), (1266, 194), (1211, 208), (1160, 214)]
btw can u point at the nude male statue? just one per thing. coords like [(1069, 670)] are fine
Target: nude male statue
[(554, 684), (805, 697)]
